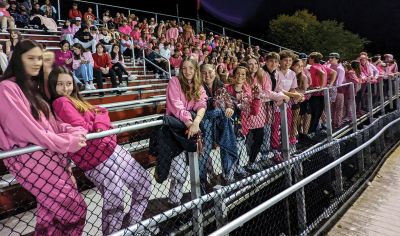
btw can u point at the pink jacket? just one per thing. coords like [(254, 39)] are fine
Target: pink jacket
[(97, 150), (18, 128), (172, 33), (255, 106), (177, 104), (77, 63), (125, 29)]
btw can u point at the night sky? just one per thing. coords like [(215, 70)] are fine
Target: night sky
[(378, 21)]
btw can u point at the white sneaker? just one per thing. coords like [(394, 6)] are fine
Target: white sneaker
[(132, 77), (87, 87), (92, 87), (4, 30)]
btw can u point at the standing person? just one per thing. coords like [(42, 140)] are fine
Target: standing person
[(108, 165), (338, 104), (25, 118), (82, 65), (319, 79), (103, 67), (185, 94)]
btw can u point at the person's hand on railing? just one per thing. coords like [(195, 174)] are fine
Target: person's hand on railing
[(286, 99), (193, 129), (229, 112)]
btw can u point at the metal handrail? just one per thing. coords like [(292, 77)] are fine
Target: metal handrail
[(34, 148), (169, 65), (124, 88), (285, 193), (135, 102)]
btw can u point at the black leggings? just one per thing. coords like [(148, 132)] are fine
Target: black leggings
[(119, 70), (317, 108), (257, 140), (99, 77)]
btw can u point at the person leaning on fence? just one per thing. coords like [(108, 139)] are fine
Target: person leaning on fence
[(218, 128), (338, 103), (301, 118), (185, 94), (25, 118), (108, 165), (319, 79), (273, 93)]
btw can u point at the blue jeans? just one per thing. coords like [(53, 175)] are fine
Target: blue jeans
[(85, 71), (219, 129)]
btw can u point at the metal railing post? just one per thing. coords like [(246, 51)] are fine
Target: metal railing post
[(156, 17), (382, 97), (249, 41), (97, 12), (300, 198), (144, 63), (223, 31), (220, 208), (59, 10), (169, 69), (353, 107), (133, 57), (396, 88), (202, 25), (390, 93), (370, 106), (328, 114), (286, 156), (129, 12), (197, 219)]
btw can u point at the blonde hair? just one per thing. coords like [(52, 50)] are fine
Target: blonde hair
[(81, 105), (197, 81)]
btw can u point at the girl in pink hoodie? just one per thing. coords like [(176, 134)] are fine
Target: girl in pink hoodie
[(108, 165), (25, 118)]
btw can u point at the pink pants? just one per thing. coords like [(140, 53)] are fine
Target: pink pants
[(337, 110), (275, 128), (60, 208), (109, 177)]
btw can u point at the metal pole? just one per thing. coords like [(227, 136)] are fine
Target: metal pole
[(197, 219), (177, 14), (59, 10), (390, 93), (370, 112), (353, 107), (328, 115), (202, 25), (133, 57), (396, 88), (220, 208), (156, 18), (300, 198), (144, 63), (286, 156), (129, 12), (97, 11), (249, 41), (382, 97), (223, 31), (169, 69)]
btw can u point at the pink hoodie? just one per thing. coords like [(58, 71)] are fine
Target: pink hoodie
[(97, 150), (18, 128), (178, 105)]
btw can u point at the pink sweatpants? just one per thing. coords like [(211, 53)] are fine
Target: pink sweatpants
[(61, 209), (109, 177)]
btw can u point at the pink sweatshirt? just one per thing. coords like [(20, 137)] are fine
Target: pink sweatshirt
[(125, 29), (87, 56), (172, 33), (61, 57), (97, 150), (177, 104), (18, 128)]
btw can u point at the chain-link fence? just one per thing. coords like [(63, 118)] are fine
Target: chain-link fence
[(248, 159)]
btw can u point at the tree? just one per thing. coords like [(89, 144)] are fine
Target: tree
[(303, 32)]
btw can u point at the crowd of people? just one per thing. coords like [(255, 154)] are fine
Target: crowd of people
[(222, 91)]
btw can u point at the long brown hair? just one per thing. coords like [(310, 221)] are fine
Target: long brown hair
[(259, 74), (80, 104), (195, 93), (29, 85)]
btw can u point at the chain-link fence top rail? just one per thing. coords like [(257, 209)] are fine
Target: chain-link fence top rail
[(257, 176)]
